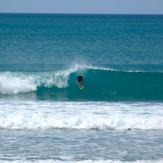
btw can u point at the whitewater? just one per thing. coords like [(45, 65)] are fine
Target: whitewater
[(101, 84), (81, 115), (44, 116), (109, 132)]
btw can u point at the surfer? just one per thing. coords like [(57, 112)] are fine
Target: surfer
[(80, 82), (80, 78)]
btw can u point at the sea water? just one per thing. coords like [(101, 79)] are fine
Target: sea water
[(116, 118)]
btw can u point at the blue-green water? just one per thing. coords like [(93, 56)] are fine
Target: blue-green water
[(45, 117)]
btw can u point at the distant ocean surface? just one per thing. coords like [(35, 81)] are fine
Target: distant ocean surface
[(45, 117)]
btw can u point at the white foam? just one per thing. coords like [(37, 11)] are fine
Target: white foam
[(77, 115), (19, 82), (10, 83)]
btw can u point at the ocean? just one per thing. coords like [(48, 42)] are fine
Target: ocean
[(45, 117)]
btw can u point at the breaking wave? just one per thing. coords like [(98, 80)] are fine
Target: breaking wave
[(100, 84)]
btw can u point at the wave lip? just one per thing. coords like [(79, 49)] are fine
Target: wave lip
[(11, 83), (19, 82), (101, 84)]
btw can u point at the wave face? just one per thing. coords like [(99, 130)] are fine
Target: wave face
[(101, 84)]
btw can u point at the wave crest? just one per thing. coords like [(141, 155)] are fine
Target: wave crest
[(21, 82), (100, 84), (100, 116)]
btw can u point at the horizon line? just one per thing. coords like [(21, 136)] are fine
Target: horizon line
[(44, 13)]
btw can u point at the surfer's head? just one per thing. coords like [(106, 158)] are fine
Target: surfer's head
[(80, 78)]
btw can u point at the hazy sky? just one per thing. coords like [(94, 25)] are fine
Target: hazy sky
[(83, 6)]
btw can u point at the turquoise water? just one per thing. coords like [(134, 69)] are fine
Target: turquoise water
[(45, 117), (100, 85)]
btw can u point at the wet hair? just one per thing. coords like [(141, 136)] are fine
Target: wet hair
[(80, 78)]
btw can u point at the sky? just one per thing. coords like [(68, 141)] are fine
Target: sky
[(83, 6)]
